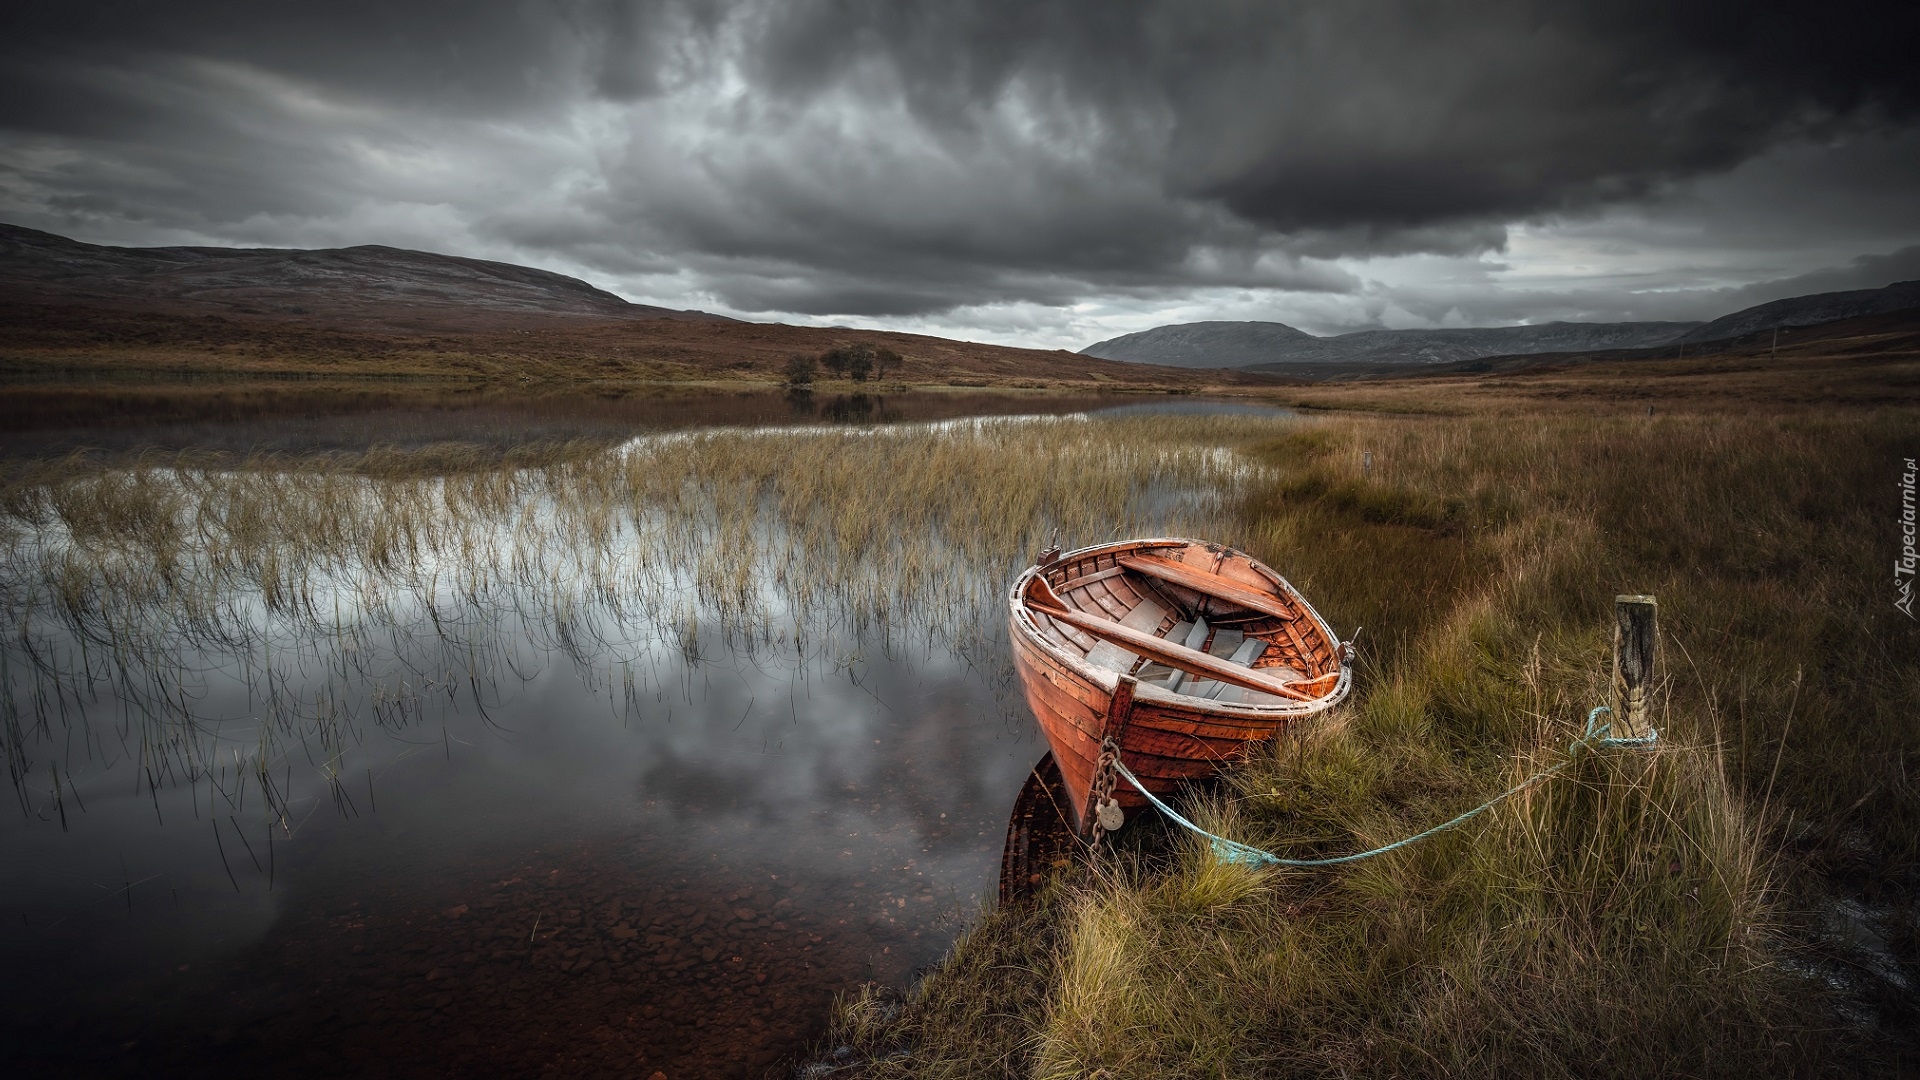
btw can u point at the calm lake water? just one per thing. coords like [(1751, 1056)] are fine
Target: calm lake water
[(294, 416), (499, 828)]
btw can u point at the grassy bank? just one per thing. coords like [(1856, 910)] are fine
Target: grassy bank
[(1740, 901)]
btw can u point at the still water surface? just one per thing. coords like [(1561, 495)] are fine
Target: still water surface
[(294, 416), (513, 831)]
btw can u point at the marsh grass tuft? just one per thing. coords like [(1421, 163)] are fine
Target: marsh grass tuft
[(394, 584)]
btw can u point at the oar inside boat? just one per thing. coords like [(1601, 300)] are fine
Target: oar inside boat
[(1180, 657)]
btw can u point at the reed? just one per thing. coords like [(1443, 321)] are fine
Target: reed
[(460, 567)]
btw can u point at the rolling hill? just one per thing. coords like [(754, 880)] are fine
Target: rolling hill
[(364, 287), (1809, 311), (1275, 346), (1282, 349), (69, 308)]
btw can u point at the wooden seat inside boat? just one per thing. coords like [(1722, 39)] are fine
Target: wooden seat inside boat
[(1197, 620)]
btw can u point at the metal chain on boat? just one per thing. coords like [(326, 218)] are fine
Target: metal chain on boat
[(1107, 813)]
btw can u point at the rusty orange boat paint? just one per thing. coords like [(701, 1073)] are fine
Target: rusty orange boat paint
[(1181, 651)]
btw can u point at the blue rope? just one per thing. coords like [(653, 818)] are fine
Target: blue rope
[(1233, 851)]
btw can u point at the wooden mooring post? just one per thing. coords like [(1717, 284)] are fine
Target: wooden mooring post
[(1635, 632)]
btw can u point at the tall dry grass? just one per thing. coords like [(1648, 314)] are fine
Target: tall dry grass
[(1739, 901), (456, 566)]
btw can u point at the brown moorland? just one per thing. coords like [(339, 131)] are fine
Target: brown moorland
[(65, 341), (1867, 362)]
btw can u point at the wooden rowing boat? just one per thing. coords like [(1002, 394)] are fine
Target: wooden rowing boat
[(1181, 651)]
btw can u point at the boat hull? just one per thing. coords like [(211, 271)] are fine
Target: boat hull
[(1165, 738)]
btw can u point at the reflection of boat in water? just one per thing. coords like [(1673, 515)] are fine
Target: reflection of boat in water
[(1040, 836), (1180, 651)]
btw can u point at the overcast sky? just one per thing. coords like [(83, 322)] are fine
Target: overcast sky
[(1042, 174)]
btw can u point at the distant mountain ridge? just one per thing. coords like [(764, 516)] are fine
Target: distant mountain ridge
[(1251, 344), (370, 284), (68, 307), (1204, 344), (1277, 347), (1809, 311)]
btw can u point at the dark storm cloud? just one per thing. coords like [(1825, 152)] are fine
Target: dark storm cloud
[(1359, 115), (458, 58), (1439, 112), (878, 158)]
